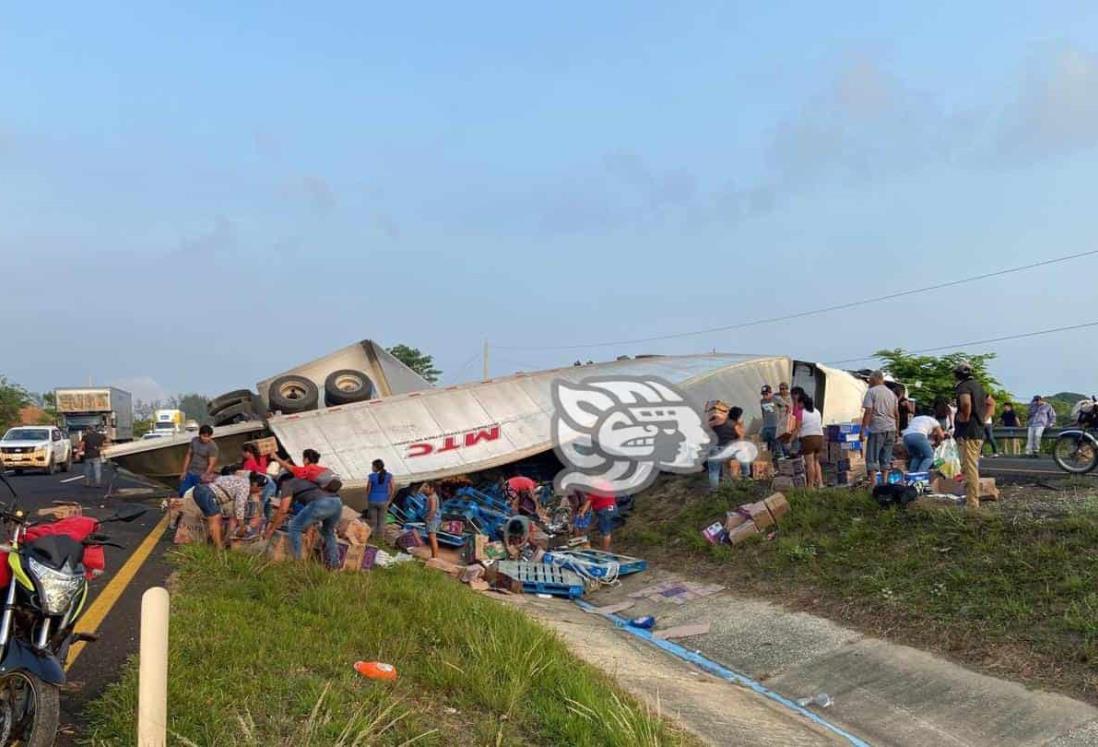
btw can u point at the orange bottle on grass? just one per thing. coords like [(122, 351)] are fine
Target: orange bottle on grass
[(376, 670)]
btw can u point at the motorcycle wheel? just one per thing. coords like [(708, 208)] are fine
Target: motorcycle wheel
[(1075, 454), (30, 710)]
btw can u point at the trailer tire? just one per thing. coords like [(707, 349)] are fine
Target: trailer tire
[(238, 413), (292, 394), (234, 397), (347, 385)]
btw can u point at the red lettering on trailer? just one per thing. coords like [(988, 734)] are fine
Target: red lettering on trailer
[(491, 434), (454, 441)]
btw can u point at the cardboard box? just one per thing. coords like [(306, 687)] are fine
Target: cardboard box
[(836, 452), (60, 510), (714, 534), (988, 489), (762, 470), (760, 514), (422, 552), (743, 532), (799, 481), (781, 483), (278, 547), (791, 467), (352, 528), (409, 539), (266, 446), (475, 548), (352, 557), (843, 432), (777, 505), (445, 566), (392, 533), (734, 518)]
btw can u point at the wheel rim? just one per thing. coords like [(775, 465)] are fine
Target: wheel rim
[(348, 384), (292, 390), (18, 708), (1075, 455)]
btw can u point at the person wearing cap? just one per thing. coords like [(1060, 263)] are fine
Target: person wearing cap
[(968, 429), (879, 422), (1041, 416), (774, 411), (320, 502)]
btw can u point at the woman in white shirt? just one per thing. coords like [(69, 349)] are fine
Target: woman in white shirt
[(811, 434), (917, 440)]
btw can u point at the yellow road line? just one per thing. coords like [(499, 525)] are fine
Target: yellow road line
[(110, 595)]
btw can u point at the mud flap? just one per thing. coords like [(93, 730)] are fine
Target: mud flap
[(41, 663)]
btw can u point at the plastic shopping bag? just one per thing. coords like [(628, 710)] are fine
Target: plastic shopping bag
[(947, 460)]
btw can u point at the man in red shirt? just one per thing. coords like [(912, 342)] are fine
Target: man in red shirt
[(605, 506), (522, 492)]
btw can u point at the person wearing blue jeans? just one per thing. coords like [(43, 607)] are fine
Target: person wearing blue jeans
[(325, 510), (917, 440), (879, 421), (319, 502)]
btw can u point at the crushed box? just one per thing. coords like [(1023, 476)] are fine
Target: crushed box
[(988, 488), (714, 533), (743, 533), (760, 514), (61, 510)]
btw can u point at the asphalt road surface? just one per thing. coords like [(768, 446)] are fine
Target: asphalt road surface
[(98, 664), (1020, 466)]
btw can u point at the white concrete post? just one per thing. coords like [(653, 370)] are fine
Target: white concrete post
[(152, 687)]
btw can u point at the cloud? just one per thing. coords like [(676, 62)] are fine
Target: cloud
[(144, 388), (1056, 111)]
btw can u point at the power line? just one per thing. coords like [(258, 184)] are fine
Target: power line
[(811, 312), (1020, 336)]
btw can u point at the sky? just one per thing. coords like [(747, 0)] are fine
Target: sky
[(194, 198)]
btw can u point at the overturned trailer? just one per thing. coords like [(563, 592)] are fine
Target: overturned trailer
[(426, 432)]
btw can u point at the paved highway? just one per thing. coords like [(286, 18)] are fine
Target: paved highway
[(115, 597)]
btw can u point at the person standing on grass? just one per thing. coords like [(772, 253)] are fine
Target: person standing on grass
[(320, 503), (811, 434), (92, 442), (433, 519), (382, 489), (905, 408), (989, 424), (1009, 419), (879, 421), (717, 416), (1041, 416), (920, 437), (201, 461), (773, 412), (968, 429)]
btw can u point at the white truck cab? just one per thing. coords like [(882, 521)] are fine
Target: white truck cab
[(42, 447)]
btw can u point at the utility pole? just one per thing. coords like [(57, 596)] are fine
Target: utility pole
[(485, 357)]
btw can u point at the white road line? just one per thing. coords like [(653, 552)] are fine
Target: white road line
[(73, 479)]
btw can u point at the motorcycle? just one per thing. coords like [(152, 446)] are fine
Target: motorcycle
[(1076, 450), (45, 567)]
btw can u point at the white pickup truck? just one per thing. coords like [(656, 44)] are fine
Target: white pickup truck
[(41, 447)]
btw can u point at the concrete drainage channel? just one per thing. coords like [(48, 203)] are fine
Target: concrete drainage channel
[(718, 670)]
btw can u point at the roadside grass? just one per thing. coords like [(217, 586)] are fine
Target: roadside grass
[(1006, 592), (262, 654)]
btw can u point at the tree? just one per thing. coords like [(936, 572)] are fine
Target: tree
[(929, 377), (193, 406), (421, 363), (141, 427), (13, 398)]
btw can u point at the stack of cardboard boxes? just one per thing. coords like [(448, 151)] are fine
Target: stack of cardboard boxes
[(790, 474), (748, 520), (843, 461)]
